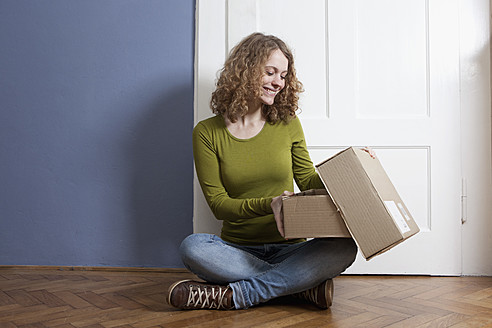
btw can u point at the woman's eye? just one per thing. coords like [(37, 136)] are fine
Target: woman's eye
[(269, 73), (283, 77)]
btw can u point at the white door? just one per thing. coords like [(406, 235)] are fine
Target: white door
[(381, 73)]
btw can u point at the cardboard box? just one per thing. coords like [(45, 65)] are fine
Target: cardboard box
[(312, 209), (367, 201)]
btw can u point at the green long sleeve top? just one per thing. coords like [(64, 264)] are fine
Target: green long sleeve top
[(240, 177)]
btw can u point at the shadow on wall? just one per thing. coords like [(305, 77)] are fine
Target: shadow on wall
[(161, 188)]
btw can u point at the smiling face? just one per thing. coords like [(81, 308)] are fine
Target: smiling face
[(258, 76), (273, 80)]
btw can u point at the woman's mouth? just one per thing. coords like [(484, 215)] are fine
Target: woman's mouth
[(270, 92)]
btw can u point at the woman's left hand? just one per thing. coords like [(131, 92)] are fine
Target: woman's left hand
[(370, 151), (277, 211)]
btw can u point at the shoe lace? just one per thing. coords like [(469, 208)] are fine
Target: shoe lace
[(203, 297)]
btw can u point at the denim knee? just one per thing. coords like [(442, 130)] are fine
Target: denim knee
[(190, 245), (351, 250), (344, 248)]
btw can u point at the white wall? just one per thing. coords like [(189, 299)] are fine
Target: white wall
[(476, 135)]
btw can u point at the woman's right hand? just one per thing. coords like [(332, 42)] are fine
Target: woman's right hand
[(277, 211)]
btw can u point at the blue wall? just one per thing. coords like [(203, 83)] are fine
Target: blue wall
[(96, 115)]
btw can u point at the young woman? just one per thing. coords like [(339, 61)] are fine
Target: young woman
[(246, 159)]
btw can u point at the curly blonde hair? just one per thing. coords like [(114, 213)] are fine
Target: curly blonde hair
[(240, 80)]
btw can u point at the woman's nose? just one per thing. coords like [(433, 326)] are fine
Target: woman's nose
[(277, 80)]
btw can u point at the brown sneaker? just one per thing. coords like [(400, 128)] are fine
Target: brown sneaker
[(321, 295), (189, 295)]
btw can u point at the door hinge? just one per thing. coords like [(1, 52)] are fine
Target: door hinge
[(464, 201)]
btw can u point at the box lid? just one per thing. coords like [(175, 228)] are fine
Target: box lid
[(368, 202)]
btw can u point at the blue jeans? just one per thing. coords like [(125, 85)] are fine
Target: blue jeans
[(257, 274)]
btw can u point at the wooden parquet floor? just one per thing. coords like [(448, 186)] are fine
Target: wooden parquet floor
[(65, 298)]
